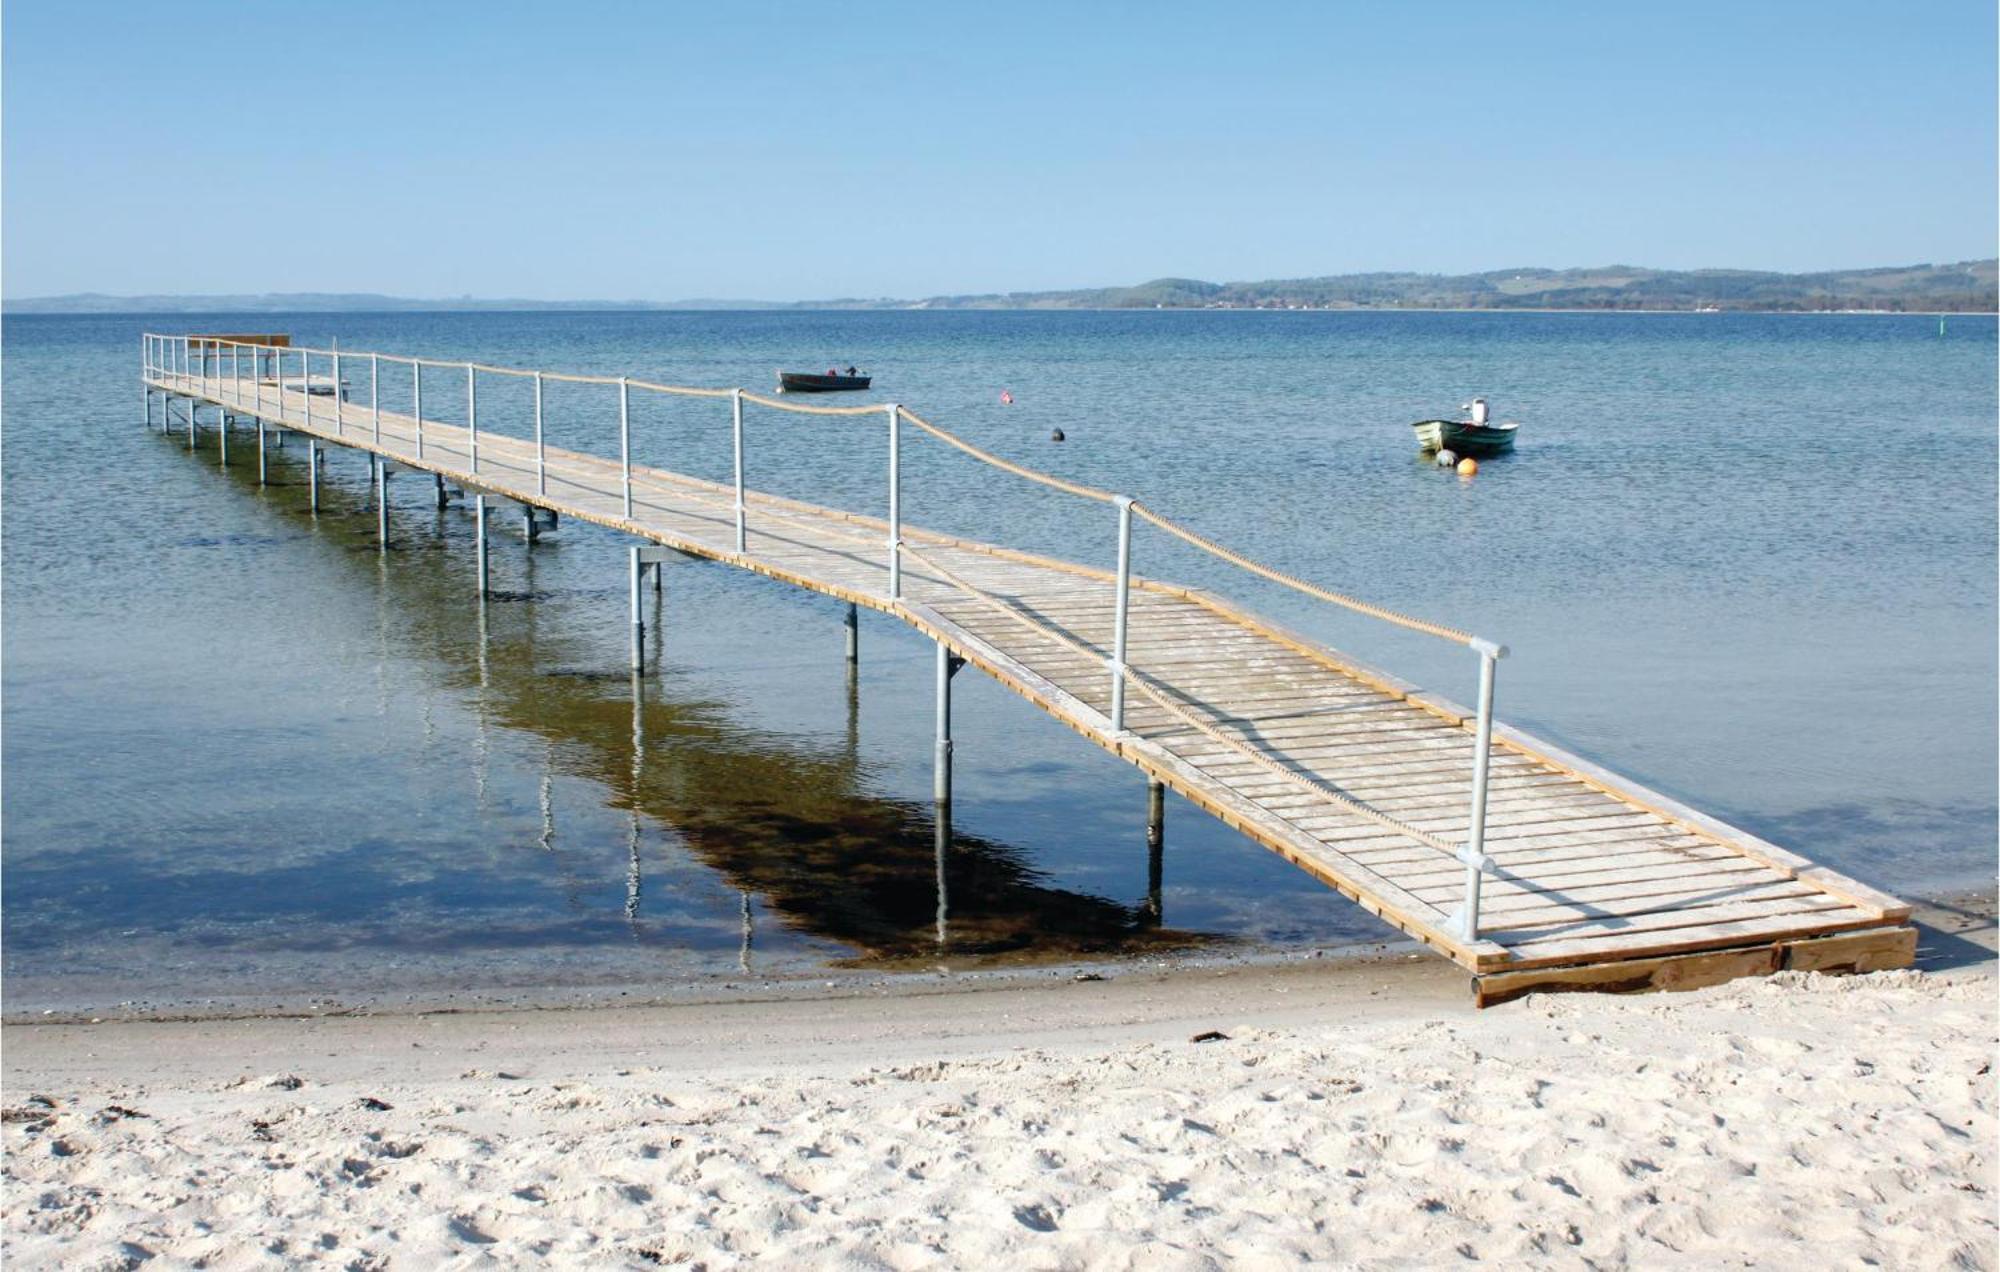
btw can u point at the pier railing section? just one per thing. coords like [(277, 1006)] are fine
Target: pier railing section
[(215, 360)]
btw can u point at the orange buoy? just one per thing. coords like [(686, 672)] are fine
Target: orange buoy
[(1467, 467)]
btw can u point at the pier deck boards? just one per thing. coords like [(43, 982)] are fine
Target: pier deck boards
[(1592, 870)]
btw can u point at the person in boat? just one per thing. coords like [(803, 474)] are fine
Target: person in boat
[(852, 372)]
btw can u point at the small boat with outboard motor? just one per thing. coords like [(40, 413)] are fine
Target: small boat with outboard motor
[(831, 382), (1477, 435)]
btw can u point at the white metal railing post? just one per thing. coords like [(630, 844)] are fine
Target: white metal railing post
[(417, 400), (541, 458), (625, 440), (375, 392), (1124, 605), (736, 432), (472, 414), (306, 387), (339, 415), (895, 503), (257, 376), (235, 370), (1476, 861)]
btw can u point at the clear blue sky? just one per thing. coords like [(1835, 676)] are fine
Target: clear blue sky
[(788, 151)]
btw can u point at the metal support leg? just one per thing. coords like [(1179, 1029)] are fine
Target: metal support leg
[(222, 434), (1156, 839), (479, 538), (853, 625), (443, 500), (941, 848), (191, 422), (529, 526), (381, 506), (638, 617), (263, 469), (312, 470), (948, 664)]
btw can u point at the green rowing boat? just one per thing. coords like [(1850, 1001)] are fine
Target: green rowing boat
[(1462, 437)]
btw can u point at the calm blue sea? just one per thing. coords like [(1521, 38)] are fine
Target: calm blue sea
[(1749, 560)]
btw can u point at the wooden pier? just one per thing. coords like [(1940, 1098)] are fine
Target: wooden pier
[(1532, 868)]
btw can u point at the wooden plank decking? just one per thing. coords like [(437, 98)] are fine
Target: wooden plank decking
[(1591, 869)]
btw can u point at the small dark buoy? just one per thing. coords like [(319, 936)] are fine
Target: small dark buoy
[(1056, 436)]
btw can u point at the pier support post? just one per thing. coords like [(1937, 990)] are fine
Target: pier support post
[(479, 539), (1156, 840), (191, 413), (948, 664), (263, 468), (529, 526), (312, 470), (443, 500), (941, 847), (638, 615), (222, 433), (381, 505), (853, 625)]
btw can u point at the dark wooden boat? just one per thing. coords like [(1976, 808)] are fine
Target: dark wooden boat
[(806, 382), (1464, 438)]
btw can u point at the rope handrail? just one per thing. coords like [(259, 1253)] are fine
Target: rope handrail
[(1300, 585), (800, 408), (1046, 479), (1186, 535), (1145, 686), (1139, 680)]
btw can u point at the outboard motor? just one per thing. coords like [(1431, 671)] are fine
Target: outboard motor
[(1478, 408)]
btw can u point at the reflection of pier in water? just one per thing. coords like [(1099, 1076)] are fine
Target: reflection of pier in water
[(775, 816)]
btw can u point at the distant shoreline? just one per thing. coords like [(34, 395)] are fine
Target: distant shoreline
[(1969, 286), (14, 312)]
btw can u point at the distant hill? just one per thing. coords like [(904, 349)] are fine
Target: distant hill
[(1968, 286)]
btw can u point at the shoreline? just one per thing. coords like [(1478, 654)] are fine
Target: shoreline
[(1943, 920), (1188, 1119)]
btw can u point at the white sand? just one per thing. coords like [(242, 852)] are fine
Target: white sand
[(1373, 1120)]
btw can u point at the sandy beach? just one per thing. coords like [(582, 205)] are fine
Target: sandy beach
[(1346, 1115)]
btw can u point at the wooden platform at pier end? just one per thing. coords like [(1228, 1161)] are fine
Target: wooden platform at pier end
[(1597, 883)]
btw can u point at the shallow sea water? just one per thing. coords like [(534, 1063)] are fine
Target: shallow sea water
[(1749, 560)]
